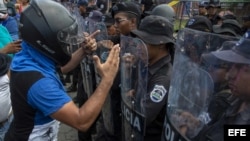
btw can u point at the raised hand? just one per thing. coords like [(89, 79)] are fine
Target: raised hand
[(89, 45), (108, 69)]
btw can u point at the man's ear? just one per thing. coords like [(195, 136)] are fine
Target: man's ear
[(133, 21)]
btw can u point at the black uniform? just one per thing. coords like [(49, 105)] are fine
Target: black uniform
[(155, 103)]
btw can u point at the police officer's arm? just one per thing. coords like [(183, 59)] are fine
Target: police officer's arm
[(156, 97), (89, 46), (84, 117)]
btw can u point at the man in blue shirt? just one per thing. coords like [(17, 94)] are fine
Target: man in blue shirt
[(38, 97)]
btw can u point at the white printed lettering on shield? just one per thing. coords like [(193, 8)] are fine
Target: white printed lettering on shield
[(135, 119)]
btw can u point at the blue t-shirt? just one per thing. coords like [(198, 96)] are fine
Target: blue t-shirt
[(46, 95)]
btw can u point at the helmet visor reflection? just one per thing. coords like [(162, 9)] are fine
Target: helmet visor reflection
[(71, 35)]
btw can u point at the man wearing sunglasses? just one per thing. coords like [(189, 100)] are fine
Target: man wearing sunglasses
[(126, 16)]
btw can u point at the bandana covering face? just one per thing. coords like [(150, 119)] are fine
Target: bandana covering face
[(29, 59)]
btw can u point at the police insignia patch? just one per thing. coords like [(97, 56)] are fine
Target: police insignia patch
[(158, 93)]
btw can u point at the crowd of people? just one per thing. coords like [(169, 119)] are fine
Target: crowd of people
[(122, 59)]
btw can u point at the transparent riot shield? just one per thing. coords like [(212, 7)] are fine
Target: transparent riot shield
[(87, 75), (103, 48), (134, 58), (74, 10), (90, 77), (195, 84)]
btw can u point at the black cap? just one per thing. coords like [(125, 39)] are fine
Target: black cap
[(228, 26), (82, 3), (214, 3), (211, 59), (128, 7), (108, 20), (155, 30), (203, 4), (240, 53), (200, 23), (5, 61), (95, 16)]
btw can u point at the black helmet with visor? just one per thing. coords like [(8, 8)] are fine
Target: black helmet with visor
[(48, 26)]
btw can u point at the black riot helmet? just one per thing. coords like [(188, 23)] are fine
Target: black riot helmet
[(44, 25)]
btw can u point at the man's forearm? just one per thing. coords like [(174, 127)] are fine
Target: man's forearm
[(91, 109), (76, 58)]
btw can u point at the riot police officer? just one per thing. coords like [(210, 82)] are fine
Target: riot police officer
[(158, 39)]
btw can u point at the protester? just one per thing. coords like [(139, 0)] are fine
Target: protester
[(6, 115), (159, 40), (40, 99)]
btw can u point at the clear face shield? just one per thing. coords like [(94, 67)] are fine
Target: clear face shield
[(71, 38)]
